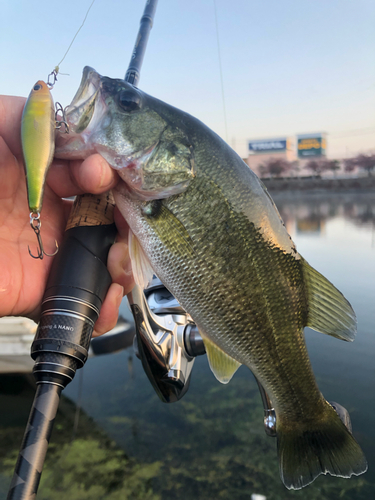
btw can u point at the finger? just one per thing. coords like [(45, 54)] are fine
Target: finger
[(11, 108), (121, 225), (94, 175), (110, 310), (119, 266), (61, 181), (10, 173)]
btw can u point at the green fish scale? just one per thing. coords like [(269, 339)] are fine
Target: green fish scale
[(244, 293)]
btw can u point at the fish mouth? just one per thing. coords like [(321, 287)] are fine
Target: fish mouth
[(88, 117), (80, 111), (82, 116)]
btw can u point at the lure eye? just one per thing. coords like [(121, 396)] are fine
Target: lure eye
[(37, 87), (129, 100)]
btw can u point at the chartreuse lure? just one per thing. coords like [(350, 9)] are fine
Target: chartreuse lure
[(39, 121), (38, 145)]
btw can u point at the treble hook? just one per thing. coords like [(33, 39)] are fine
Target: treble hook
[(59, 123), (36, 224)]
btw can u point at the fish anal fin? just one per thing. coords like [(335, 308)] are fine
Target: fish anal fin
[(222, 365), (329, 312), (141, 267)]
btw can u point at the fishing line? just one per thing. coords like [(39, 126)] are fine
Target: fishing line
[(221, 73), (56, 70)]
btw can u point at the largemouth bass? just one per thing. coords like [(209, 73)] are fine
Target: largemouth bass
[(205, 224)]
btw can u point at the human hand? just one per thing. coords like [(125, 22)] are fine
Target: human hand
[(23, 279)]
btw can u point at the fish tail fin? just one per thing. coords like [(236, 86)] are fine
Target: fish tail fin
[(319, 447)]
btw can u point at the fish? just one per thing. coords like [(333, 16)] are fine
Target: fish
[(204, 223), (38, 141)]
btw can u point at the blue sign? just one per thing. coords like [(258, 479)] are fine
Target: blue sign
[(268, 146)]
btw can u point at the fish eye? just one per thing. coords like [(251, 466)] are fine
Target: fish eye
[(130, 100), (37, 87)]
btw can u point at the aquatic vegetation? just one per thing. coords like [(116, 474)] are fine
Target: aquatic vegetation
[(211, 444)]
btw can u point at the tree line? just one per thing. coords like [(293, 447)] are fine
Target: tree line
[(278, 167)]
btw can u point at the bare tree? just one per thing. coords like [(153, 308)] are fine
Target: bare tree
[(332, 165), (364, 162), (315, 166), (350, 165), (275, 167)]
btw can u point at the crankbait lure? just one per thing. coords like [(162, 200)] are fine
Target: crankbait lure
[(39, 121), (38, 145)]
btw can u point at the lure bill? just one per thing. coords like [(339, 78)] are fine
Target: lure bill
[(38, 145)]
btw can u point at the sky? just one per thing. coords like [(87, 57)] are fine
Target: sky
[(288, 67)]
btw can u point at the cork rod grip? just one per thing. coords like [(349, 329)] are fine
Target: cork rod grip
[(92, 210)]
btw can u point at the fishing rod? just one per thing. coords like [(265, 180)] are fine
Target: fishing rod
[(77, 285)]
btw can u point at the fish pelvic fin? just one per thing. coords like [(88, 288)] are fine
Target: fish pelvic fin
[(319, 447), (328, 310), (141, 267), (222, 365)]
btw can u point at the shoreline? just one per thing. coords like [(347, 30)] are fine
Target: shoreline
[(316, 184)]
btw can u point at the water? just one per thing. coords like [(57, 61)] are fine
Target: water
[(211, 445)]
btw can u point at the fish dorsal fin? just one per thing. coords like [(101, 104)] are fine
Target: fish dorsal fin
[(329, 311), (141, 267), (222, 365)]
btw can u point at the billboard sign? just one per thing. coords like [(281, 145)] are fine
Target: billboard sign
[(268, 146), (311, 145)]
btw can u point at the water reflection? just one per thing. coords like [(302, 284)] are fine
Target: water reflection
[(309, 213), (211, 445)]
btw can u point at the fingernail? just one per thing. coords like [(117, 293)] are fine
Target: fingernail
[(126, 262), (104, 181), (120, 295)]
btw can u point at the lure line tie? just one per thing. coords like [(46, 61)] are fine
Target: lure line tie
[(52, 78)]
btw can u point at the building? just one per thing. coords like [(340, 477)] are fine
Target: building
[(305, 148), (261, 151), (311, 147)]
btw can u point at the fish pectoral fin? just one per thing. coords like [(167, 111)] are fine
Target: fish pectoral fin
[(329, 311), (222, 365), (172, 232), (141, 267)]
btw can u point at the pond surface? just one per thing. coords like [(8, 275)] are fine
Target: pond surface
[(114, 439)]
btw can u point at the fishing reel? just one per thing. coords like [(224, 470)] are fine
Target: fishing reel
[(167, 342)]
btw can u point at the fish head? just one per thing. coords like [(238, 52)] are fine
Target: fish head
[(132, 131)]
